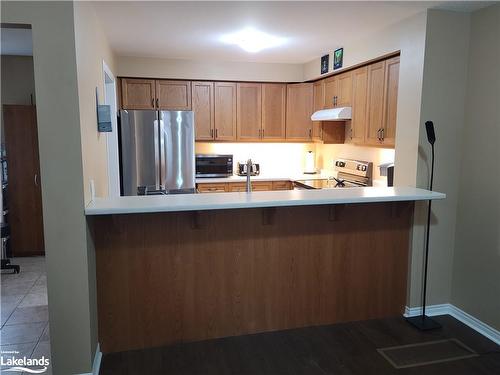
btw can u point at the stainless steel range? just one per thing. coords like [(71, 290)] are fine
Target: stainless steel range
[(350, 173)]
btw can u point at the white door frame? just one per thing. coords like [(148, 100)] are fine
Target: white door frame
[(112, 137)]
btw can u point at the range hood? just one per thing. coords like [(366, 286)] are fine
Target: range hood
[(332, 114)]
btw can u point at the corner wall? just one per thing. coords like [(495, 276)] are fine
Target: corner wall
[(475, 285), (59, 137), (91, 49)]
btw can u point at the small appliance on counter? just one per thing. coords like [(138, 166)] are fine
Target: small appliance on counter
[(242, 169), (310, 163), (350, 173), (214, 165), (387, 170)]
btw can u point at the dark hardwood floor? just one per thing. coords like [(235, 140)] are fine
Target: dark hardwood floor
[(340, 349)]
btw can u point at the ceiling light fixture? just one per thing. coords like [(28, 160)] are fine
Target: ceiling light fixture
[(252, 40)]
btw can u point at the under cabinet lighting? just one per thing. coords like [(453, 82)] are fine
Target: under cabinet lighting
[(252, 40)]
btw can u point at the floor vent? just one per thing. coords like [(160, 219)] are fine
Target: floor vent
[(426, 353)]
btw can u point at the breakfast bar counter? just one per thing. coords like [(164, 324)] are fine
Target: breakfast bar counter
[(219, 201), (194, 267)]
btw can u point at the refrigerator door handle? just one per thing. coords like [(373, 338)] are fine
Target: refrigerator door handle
[(161, 167), (156, 132)]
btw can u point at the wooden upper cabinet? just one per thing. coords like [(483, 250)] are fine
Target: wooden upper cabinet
[(138, 93), (225, 111), (391, 101), (318, 104), (249, 111), (355, 129), (338, 90), (330, 92), (203, 108), (299, 107), (375, 103), (173, 95), (273, 110)]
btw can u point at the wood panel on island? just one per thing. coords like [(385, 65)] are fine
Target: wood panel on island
[(165, 278), (280, 112)]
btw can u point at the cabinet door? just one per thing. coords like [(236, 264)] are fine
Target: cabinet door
[(249, 111), (375, 106), (273, 111), (237, 186), (318, 104), (173, 95), (391, 101), (203, 108), (225, 111), (299, 108), (212, 188), (330, 92), (138, 93), (355, 129), (344, 90)]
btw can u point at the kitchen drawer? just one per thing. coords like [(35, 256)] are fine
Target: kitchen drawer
[(212, 188), (282, 185), (237, 186), (262, 186)]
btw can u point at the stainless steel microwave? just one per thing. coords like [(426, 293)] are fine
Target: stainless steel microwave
[(214, 165)]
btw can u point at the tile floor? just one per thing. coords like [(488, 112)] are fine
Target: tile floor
[(24, 310)]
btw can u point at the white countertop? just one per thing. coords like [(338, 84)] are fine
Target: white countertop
[(220, 201)]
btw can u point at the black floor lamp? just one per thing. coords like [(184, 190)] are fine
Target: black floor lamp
[(423, 322)]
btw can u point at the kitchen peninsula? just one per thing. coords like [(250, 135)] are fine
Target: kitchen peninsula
[(198, 266)]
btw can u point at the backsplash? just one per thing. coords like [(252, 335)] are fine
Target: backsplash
[(275, 159)]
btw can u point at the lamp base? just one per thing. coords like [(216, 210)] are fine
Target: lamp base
[(423, 322)]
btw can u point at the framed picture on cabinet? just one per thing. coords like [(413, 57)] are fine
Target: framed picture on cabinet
[(338, 58), (324, 63)]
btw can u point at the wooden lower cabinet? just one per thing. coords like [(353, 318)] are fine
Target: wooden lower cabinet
[(282, 185), (212, 188), (242, 186)]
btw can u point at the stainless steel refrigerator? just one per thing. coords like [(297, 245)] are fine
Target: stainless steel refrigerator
[(157, 153)]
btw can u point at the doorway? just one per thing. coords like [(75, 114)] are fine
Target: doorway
[(24, 303), (112, 137)]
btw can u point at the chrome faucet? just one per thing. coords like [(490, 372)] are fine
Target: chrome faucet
[(249, 171)]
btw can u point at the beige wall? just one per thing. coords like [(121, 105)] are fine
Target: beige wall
[(187, 69), (69, 289), (91, 49), (443, 100), (476, 268)]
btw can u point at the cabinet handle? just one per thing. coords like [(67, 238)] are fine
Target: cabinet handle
[(382, 134), (36, 179), (153, 103), (350, 133), (211, 133), (310, 133), (157, 103), (262, 133), (216, 133)]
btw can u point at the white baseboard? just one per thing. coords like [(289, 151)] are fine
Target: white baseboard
[(460, 315), (97, 362)]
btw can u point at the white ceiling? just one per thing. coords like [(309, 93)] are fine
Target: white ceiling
[(16, 41), (192, 30)]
